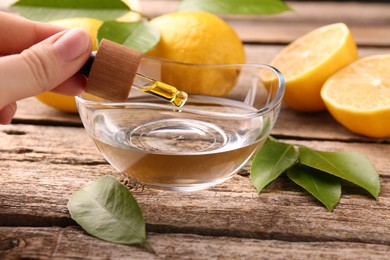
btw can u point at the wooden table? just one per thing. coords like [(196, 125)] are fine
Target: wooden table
[(45, 155)]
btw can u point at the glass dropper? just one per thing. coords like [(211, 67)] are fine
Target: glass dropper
[(160, 89), (146, 84)]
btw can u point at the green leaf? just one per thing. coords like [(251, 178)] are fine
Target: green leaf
[(235, 6), (271, 161), (47, 10), (141, 35), (351, 166), (324, 187), (106, 209)]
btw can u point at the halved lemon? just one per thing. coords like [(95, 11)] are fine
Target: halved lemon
[(307, 62), (358, 96)]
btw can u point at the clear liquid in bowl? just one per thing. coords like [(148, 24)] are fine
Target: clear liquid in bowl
[(176, 150)]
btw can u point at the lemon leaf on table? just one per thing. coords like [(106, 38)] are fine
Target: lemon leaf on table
[(106, 209), (140, 35), (271, 161), (235, 7), (317, 172), (350, 166), (324, 187), (46, 10)]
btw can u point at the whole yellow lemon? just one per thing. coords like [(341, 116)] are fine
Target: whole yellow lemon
[(198, 38), (62, 102)]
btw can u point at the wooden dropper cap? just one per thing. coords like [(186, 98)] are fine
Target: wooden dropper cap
[(112, 72)]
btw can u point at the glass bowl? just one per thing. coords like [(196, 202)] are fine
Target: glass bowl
[(228, 115)]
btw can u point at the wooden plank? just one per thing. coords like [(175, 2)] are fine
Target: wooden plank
[(369, 22), (71, 145), (273, 32), (59, 243), (256, 53), (39, 197), (33, 111), (41, 166), (303, 11), (39, 170), (319, 126)]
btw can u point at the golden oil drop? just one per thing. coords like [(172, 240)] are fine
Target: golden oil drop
[(167, 92)]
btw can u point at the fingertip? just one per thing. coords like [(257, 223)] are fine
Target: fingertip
[(7, 113), (73, 43)]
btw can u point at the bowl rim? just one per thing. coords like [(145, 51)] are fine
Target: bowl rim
[(275, 102)]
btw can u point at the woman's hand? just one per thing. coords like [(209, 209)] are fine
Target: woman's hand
[(37, 57)]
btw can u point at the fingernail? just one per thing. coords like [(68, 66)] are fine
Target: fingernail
[(72, 44)]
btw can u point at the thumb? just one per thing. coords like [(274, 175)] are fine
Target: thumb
[(43, 66)]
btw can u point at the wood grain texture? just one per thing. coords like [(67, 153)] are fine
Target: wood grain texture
[(46, 155), (39, 171), (58, 243), (369, 22), (113, 71), (283, 212)]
